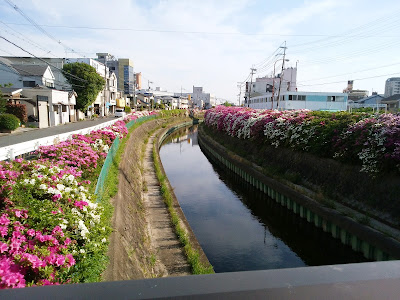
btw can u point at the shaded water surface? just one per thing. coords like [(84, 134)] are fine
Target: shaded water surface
[(238, 227)]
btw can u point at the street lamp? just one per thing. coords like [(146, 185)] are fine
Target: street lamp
[(273, 82)]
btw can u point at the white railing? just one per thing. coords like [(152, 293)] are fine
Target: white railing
[(376, 106), (12, 151)]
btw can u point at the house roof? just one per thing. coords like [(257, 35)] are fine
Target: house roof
[(369, 98), (10, 90), (393, 97), (30, 70)]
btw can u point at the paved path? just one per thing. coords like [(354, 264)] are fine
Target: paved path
[(28, 134), (163, 237)]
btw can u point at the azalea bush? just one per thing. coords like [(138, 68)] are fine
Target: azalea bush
[(371, 140), (52, 231)]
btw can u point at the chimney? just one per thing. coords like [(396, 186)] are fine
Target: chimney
[(350, 85)]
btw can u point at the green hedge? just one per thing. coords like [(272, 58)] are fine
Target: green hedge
[(9, 122)]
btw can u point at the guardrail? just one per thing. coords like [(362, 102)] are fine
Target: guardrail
[(378, 280), (110, 158), (12, 151), (376, 106)]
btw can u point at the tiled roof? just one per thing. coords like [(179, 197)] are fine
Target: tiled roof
[(393, 97), (30, 70)]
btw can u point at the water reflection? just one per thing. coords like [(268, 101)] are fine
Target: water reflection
[(238, 227)]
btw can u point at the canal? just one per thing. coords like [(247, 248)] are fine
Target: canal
[(238, 227)]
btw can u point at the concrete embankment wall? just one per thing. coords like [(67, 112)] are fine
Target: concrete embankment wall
[(192, 238), (373, 244)]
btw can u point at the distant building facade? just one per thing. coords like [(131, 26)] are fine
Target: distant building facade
[(301, 100), (392, 86), (354, 95), (201, 99)]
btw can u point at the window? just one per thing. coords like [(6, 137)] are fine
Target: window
[(339, 99), (112, 68), (331, 98), (290, 97), (301, 97), (28, 83), (50, 84)]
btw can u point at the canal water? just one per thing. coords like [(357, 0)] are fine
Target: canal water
[(238, 227)]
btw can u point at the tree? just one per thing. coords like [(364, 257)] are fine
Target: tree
[(87, 91), (3, 100), (226, 103)]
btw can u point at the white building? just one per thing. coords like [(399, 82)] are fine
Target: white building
[(106, 99), (59, 81), (59, 105), (301, 100), (392, 86), (201, 99), (271, 84), (25, 75)]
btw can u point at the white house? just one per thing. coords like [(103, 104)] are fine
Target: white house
[(25, 75), (59, 105)]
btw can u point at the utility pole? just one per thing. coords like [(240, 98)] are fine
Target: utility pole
[(251, 83), (280, 79), (240, 90), (134, 91)]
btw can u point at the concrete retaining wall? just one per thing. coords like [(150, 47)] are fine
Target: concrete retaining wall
[(373, 244)]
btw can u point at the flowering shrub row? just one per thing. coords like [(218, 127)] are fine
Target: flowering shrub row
[(371, 140), (51, 229)]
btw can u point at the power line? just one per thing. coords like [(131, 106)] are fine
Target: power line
[(39, 27), (61, 70), (192, 32), (24, 38), (357, 71), (327, 83), (30, 75)]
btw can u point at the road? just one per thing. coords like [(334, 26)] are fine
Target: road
[(27, 134)]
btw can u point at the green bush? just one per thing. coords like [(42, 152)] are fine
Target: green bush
[(9, 121), (128, 109)]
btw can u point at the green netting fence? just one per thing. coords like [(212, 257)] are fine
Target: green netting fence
[(110, 159)]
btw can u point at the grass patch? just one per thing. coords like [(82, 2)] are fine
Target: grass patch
[(98, 263), (192, 255)]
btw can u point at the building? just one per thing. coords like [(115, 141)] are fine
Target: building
[(271, 84), (201, 99), (392, 86), (59, 105), (106, 99), (392, 102), (123, 69), (25, 75), (301, 100), (105, 102), (138, 80), (374, 102), (354, 95)]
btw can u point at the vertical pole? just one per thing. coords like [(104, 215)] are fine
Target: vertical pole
[(240, 90), (280, 79), (134, 91), (251, 83)]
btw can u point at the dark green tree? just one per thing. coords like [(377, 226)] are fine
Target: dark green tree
[(87, 91), (3, 100)]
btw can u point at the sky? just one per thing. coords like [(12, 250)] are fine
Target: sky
[(178, 44)]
